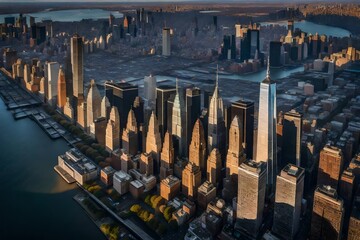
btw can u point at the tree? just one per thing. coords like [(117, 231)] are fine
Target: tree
[(114, 233), (147, 199), (135, 208), (162, 208), (105, 228), (168, 213)]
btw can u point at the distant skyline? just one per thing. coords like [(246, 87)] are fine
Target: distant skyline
[(179, 1)]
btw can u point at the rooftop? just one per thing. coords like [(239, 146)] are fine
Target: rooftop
[(122, 176)]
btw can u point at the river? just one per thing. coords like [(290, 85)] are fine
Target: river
[(73, 15), (36, 203)]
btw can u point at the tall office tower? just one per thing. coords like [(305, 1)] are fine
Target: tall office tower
[(191, 180), (235, 155), (153, 141), (266, 148), (53, 74), (244, 110), (163, 94), (81, 115), (61, 101), (330, 166), (251, 196), (328, 214), (216, 127), (150, 91), (177, 128), (105, 107), (197, 148), (354, 223), (291, 26), (214, 167), (77, 59), (288, 197), (138, 107), (146, 164), (192, 113), (167, 157), (93, 106), (170, 105), (112, 139), (254, 42), (292, 130), (130, 135), (166, 45), (121, 95), (331, 71), (275, 54)]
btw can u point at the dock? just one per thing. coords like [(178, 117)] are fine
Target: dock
[(66, 176)]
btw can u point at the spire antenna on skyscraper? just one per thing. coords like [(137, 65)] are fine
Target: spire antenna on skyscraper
[(268, 68), (177, 85), (217, 77)]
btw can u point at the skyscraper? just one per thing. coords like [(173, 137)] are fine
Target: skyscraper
[(235, 155), (166, 45), (61, 100), (93, 107), (328, 214), (214, 167), (192, 113), (292, 130), (153, 141), (177, 128), (251, 196), (216, 127), (244, 109), (163, 94), (191, 180), (354, 223), (112, 139), (53, 74), (266, 148), (288, 197), (150, 91), (138, 107), (146, 164), (77, 58), (105, 107), (121, 95), (197, 148), (330, 166), (167, 157), (275, 54), (130, 134)]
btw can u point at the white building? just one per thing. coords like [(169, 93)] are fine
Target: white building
[(121, 181), (166, 50), (177, 121), (78, 166), (53, 73), (266, 148)]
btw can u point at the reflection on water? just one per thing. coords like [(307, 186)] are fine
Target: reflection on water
[(314, 28), (36, 202)]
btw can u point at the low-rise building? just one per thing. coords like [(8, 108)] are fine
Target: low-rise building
[(81, 168), (206, 193), (169, 187), (121, 181), (106, 175), (136, 188)]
